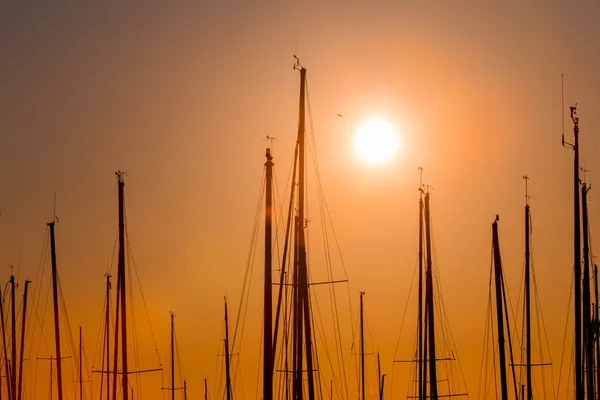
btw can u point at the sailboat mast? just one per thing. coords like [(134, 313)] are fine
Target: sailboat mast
[(172, 357), (13, 375), (23, 319), (588, 335), (80, 367), (527, 295), (597, 328), (123, 285), (107, 335), (499, 308), (429, 305), (579, 389), (268, 289), (362, 347), (6, 363), (420, 300), (56, 322), (227, 366), (302, 263)]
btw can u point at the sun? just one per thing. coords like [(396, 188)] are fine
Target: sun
[(376, 142)]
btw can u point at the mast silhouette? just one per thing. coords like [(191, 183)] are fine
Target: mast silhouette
[(588, 333), (13, 363), (56, 321), (429, 309), (121, 285), (302, 319), (499, 309), (362, 347), (420, 364), (23, 319), (579, 384), (172, 357), (6, 361), (268, 344), (527, 295), (227, 363)]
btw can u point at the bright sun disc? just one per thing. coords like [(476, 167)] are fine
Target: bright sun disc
[(376, 142)]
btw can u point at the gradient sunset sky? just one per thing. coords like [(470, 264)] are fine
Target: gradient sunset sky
[(181, 96)]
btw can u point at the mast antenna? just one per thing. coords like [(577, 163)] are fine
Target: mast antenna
[(420, 178), (527, 197), (297, 64), (562, 106)]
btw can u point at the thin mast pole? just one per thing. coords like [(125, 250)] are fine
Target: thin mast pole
[(227, 366), (123, 285), (597, 325), (268, 289), (205, 390), (382, 386), (378, 372), (184, 390), (420, 300), (23, 319), (528, 295), (6, 363), (172, 357), (588, 334), (116, 352), (429, 305), (13, 376), (579, 389), (362, 347), (107, 333), (80, 367), (499, 309), (56, 321), (284, 258), (303, 268)]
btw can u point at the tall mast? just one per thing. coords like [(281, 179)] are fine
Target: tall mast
[(205, 390), (579, 389), (588, 333), (268, 289), (227, 366), (362, 347), (80, 367), (597, 327), (13, 358), (23, 319), (499, 309), (172, 357), (429, 305), (420, 301), (56, 322), (122, 285), (303, 306), (6, 363), (107, 336), (527, 295)]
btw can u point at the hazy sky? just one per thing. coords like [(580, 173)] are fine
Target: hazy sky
[(181, 96)]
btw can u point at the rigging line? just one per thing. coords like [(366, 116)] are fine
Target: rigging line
[(442, 304), (250, 258), (319, 333), (565, 339), (325, 211), (133, 264), (540, 320), (332, 291), (243, 305)]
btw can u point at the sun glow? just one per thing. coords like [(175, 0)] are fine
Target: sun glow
[(376, 142)]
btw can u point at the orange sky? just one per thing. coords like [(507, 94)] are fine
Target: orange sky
[(181, 96)]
